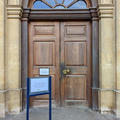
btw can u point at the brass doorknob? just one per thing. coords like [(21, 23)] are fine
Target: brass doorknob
[(66, 71)]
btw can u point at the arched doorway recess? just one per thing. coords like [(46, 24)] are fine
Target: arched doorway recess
[(89, 14)]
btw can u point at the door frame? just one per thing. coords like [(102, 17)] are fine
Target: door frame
[(73, 14)]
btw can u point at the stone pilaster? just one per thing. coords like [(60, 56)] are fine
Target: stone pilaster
[(118, 57), (24, 60), (13, 58), (106, 56), (2, 40), (95, 56)]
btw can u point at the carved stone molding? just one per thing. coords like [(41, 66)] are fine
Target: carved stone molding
[(14, 2), (94, 14), (105, 10), (32, 14), (14, 12), (25, 14)]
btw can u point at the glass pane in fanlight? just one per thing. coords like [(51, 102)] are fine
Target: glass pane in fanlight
[(79, 5), (59, 1), (51, 2), (59, 7), (40, 5), (67, 2)]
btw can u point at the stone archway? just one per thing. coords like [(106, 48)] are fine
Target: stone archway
[(105, 11), (95, 51)]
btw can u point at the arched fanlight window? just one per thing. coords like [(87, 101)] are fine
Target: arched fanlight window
[(60, 4)]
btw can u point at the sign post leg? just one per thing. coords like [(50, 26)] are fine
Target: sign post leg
[(50, 101), (27, 116)]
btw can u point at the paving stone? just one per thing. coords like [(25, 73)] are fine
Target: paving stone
[(67, 113)]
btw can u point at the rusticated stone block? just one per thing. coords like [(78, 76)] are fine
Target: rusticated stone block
[(2, 105), (13, 101)]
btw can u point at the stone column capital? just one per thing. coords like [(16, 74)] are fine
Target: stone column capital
[(105, 10), (14, 12), (94, 14), (25, 14)]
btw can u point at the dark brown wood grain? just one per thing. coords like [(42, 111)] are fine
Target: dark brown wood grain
[(44, 53), (69, 43), (76, 54)]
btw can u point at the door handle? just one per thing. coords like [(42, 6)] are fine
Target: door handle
[(66, 71)]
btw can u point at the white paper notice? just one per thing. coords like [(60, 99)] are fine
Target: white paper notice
[(39, 84), (44, 71)]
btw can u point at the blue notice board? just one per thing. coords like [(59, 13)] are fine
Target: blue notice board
[(39, 86)]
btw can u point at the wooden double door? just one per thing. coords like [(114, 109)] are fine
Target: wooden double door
[(65, 48)]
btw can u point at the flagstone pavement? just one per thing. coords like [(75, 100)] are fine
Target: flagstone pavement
[(67, 113)]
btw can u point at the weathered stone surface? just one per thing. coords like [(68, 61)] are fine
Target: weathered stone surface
[(107, 101), (2, 81), (1, 45), (13, 56), (107, 56), (105, 2), (13, 103), (2, 105), (118, 57), (14, 2), (118, 105), (13, 59)]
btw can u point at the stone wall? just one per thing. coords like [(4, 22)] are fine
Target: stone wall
[(2, 60), (10, 56), (13, 59), (106, 56), (117, 20)]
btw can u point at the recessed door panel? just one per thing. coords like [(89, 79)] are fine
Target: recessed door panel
[(75, 88), (73, 53), (44, 53)]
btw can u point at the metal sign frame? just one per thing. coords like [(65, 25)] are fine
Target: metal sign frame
[(37, 94)]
